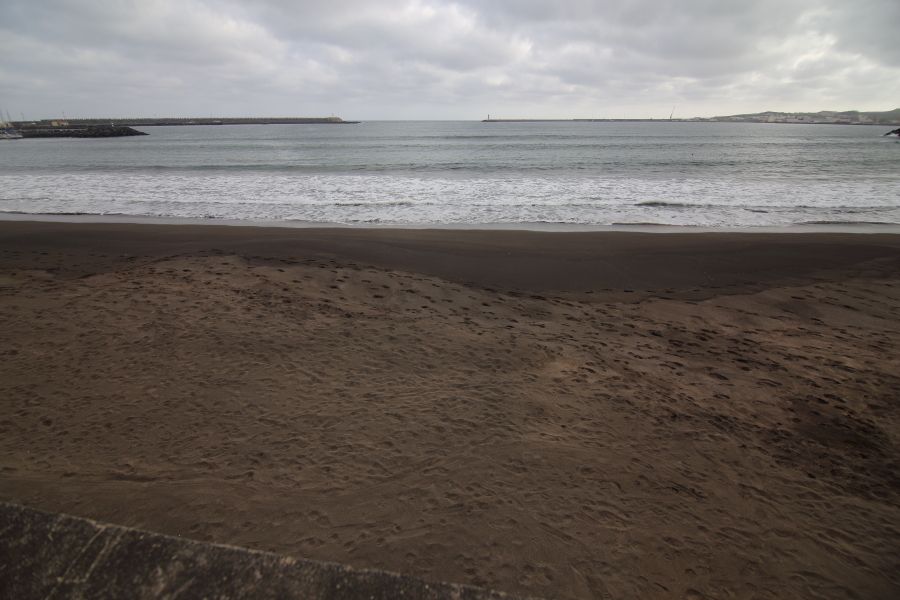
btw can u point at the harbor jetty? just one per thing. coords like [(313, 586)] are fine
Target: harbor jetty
[(99, 128), (170, 121), (490, 120), (77, 131)]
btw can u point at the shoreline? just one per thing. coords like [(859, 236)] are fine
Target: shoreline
[(571, 262), (822, 227)]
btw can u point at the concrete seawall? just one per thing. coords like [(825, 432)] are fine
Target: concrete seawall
[(45, 555)]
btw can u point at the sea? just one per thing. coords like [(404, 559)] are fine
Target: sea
[(450, 174)]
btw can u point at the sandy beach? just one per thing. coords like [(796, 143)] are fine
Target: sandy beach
[(568, 415)]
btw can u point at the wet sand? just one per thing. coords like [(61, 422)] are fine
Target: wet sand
[(572, 415)]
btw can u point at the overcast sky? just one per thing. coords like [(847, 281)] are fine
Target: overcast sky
[(369, 59)]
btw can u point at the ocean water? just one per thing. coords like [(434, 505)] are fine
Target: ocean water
[(468, 173)]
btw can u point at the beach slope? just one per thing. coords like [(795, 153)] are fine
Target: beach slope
[(571, 415)]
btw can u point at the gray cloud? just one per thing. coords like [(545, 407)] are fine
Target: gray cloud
[(433, 59)]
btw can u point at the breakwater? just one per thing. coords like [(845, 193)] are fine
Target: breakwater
[(170, 121), (74, 131), (489, 120)]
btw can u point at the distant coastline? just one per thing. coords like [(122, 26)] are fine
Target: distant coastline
[(825, 117)]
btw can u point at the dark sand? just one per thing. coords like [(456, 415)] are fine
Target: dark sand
[(573, 415)]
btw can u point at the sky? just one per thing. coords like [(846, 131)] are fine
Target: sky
[(423, 59)]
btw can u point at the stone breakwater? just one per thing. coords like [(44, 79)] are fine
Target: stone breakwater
[(174, 121), (93, 131)]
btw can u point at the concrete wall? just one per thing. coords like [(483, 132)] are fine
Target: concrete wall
[(53, 556)]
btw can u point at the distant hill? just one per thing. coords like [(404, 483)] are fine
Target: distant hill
[(855, 117)]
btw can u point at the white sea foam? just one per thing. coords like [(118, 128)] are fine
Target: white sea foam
[(411, 200)]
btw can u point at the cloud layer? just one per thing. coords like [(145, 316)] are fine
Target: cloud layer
[(424, 59)]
